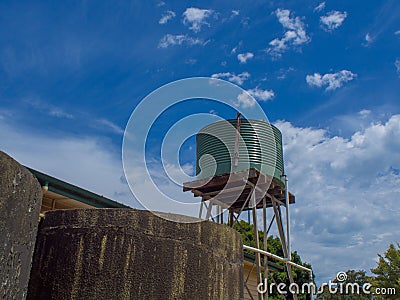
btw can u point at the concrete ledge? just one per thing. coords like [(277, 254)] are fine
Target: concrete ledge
[(133, 254), (20, 201)]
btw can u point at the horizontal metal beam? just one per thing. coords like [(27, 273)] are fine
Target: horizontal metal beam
[(271, 255)]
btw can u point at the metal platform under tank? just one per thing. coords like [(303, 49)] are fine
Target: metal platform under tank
[(232, 190)]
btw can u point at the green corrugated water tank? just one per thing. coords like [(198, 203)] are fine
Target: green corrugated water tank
[(258, 146)]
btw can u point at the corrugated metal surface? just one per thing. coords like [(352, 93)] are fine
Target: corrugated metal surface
[(260, 147)]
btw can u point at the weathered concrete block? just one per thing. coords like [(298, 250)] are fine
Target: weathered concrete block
[(133, 254), (20, 201)]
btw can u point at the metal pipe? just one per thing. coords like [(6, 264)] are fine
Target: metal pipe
[(237, 140), (201, 210), (256, 238), (287, 217), (265, 243), (271, 255)]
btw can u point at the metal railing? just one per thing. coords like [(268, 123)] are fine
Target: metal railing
[(286, 261)]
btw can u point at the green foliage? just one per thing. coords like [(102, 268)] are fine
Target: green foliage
[(274, 246), (388, 271), (387, 278), (353, 276)]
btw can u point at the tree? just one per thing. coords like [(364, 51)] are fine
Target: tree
[(274, 246), (388, 273), (353, 277), (385, 285)]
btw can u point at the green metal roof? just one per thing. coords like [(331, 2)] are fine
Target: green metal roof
[(251, 257), (73, 192)]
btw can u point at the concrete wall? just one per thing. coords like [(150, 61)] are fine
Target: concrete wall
[(131, 254), (20, 200)]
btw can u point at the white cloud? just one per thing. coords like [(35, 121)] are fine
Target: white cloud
[(238, 79), (346, 194), (191, 61), (319, 7), (364, 113), (86, 161), (347, 189), (247, 99), (261, 95), (236, 48), (196, 17), (59, 113), (283, 73), (368, 40), (235, 13), (347, 124), (244, 100), (333, 20), (331, 80), (294, 36), (110, 126), (90, 162), (180, 39), (244, 57), (397, 32), (47, 108), (168, 15), (397, 65)]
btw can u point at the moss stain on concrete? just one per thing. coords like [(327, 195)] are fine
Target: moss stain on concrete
[(180, 268), (141, 255), (102, 251), (78, 270)]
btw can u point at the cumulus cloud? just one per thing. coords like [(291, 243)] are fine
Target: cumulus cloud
[(333, 20), (168, 15), (346, 190), (179, 39), (332, 81), (261, 95), (244, 57), (248, 98), (232, 77), (196, 17), (295, 34), (245, 100), (319, 7), (397, 65)]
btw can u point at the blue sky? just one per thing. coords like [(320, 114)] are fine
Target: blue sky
[(326, 73)]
